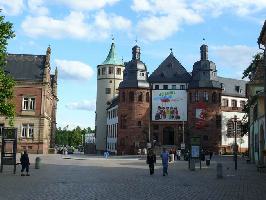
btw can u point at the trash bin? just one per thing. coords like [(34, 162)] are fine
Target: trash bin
[(37, 163), (208, 162)]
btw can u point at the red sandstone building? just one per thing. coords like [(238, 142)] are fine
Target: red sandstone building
[(35, 99), (171, 106)]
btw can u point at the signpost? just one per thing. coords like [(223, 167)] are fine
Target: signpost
[(8, 156), (195, 150)]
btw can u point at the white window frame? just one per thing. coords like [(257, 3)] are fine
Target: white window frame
[(27, 130), (28, 103)]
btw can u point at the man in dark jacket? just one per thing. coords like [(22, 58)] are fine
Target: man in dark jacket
[(151, 159), (25, 162)]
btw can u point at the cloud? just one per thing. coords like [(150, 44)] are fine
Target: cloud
[(233, 58), (161, 19), (82, 5), (36, 7), (73, 70), (88, 105), (12, 8), (239, 7), (75, 25)]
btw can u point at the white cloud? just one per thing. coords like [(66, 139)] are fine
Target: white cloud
[(88, 105), (239, 7), (233, 58), (12, 8), (82, 5), (36, 7), (73, 70), (162, 19), (75, 26)]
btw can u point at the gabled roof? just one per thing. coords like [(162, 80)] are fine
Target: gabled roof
[(170, 71), (232, 87), (25, 66), (112, 58), (262, 33)]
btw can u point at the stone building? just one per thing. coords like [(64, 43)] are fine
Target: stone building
[(172, 105), (109, 76), (256, 94), (133, 106), (35, 99)]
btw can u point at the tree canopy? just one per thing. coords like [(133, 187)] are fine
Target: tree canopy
[(7, 108)]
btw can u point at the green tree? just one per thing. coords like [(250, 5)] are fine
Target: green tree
[(7, 108)]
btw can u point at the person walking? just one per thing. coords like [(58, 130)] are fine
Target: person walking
[(25, 163), (165, 159), (151, 160)]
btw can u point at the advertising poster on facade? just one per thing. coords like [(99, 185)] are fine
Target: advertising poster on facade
[(169, 105)]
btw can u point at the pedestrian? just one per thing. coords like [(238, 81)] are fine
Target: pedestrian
[(25, 162), (165, 157), (178, 154), (151, 160)]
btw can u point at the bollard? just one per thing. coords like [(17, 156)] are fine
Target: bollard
[(208, 162), (192, 164), (219, 170), (37, 162)]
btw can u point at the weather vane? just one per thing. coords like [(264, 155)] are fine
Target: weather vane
[(136, 40), (113, 37), (171, 49)]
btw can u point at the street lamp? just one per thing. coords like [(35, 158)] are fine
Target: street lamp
[(235, 145)]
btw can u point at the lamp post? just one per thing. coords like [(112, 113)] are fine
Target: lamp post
[(235, 145)]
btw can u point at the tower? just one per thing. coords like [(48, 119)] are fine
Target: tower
[(109, 75), (204, 103), (133, 106)]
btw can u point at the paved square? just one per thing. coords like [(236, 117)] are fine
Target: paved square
[(81, 177)]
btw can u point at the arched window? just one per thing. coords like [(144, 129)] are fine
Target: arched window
[(140, 97), (131, 96), (123, 97), (214, 97), (147, 97)]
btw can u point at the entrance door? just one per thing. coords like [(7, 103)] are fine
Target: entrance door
[(168, 136)]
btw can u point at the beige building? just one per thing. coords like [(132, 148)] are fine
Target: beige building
[(109, 76), (35, 99)]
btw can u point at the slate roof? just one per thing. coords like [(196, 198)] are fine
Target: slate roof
[(112, 58), (231, 86), (263, 31), (25, 66), (113, 102), (170, 71)]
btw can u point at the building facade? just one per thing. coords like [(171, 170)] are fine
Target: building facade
[(35, 99), (172, 105), (109, 76)]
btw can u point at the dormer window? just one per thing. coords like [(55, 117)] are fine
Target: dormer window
[(169, 65), (162, 74), (237, 88)]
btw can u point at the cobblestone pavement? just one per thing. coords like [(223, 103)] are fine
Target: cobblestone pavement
[(80, 177)]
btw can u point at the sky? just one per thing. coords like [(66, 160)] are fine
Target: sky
[(80, 35)]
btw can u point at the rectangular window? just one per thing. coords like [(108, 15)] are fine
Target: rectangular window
[(111, 70), (173, 87), (107, 90), (165, 87), (99, 72), (156, 87), (139, 123), (28, 103), (196, 96), (1, 129), (242, 104), (233, 103), (118, 71), (27, 130), (103, 71), (182, 87), (205, 96), (225, 102)]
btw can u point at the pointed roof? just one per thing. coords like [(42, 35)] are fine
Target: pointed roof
[(112, 58), (170, 71)]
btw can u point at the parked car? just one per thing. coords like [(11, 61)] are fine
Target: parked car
[(70, 150)]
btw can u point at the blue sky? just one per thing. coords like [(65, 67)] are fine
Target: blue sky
[(80, 32)]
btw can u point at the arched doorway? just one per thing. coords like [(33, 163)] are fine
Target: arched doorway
[(261, 143), (168, 136)]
